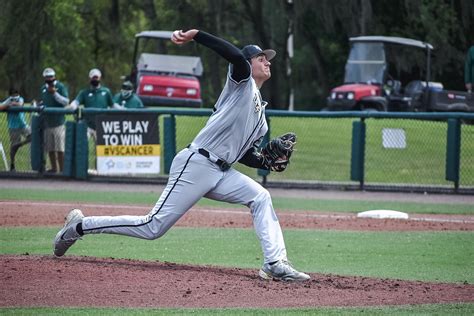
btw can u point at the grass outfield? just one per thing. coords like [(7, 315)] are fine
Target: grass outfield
[(280, 203)]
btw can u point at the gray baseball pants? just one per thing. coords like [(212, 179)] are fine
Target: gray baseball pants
[(193, 176)]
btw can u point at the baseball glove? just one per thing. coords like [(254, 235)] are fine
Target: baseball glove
[(277, 152)]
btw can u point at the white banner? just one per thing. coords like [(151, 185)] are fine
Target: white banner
[(128, 165)]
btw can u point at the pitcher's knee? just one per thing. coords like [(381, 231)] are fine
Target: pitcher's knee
[(152, 231), (154, 235), (151, 236), (263, 198)]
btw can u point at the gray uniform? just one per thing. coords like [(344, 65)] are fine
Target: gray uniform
[(238, 122), (236, 125)]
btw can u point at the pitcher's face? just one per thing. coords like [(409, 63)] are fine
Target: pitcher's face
[(260, 68)]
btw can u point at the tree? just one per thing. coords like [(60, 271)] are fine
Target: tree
[(23, 27), (73, 36)]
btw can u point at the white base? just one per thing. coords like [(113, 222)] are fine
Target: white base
[(382, 214)]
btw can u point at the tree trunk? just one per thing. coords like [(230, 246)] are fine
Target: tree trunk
[(318, 61), (23, 56), (365, 16), (148, 7)]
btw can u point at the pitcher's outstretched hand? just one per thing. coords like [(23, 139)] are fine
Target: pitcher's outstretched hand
[(180, 37)]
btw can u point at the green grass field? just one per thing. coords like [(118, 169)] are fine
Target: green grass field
[(324, 150), (441, 256)]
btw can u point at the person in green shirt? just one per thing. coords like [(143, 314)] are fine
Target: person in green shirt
[(126, 98), (469, 69), (95, 96), (53, 94), (18, 128)]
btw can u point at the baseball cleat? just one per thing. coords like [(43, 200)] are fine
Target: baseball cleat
[(68, 235), (282, 270)]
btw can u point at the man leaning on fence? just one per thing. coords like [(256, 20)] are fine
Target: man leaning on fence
[(18, 128), (54, 95), (95, 96)]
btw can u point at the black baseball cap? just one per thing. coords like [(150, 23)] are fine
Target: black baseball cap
[(251, 51), (127, 85)]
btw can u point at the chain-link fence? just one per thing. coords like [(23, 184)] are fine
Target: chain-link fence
[(399, 153), (466, 172), (406, 151), (399, 150), (15, 136), (19, 128), (15, 157)]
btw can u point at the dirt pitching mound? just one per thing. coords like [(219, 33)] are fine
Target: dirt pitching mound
[(86, 281)]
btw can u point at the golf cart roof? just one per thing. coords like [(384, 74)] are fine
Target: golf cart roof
[(170, 63), (155, 34), (392, 40)]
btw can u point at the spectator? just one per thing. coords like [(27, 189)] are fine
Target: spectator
[(54, 95), (19, 130), (95, 96), (127, 98), (469, 69)]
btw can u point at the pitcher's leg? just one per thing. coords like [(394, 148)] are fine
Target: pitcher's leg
[(236, 187), (190, 178), (268, 227)]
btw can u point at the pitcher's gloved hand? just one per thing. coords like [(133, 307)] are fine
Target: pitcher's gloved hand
[(277, 152)]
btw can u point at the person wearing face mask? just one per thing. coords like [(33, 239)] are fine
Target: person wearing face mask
[(54, 94), (94, 96), (126, 98)]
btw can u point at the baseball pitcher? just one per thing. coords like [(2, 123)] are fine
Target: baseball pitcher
[(232, 135)]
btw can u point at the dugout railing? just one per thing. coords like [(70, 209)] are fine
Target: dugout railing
[(430, 152)]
